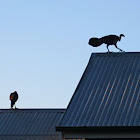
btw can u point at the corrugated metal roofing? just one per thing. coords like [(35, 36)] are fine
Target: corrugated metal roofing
[(30, 122), (108, 93)]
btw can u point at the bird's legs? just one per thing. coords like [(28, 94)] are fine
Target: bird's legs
[(108, 49), (118, 48)]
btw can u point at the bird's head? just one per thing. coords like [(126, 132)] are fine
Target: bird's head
[(121, 36)]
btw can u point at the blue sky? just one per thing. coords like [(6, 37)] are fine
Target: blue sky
[(44, 45)]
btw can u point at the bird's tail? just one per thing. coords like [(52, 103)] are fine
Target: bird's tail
[(95, 42)]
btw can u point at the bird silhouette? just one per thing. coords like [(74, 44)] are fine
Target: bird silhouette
[(13, 98), (109, 40)]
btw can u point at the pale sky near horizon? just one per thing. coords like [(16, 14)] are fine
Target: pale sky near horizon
[(44, 45)]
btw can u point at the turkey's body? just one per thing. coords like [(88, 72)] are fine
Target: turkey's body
[(110, 39)]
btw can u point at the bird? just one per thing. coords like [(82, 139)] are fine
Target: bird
[(13, 98), (108, 40)]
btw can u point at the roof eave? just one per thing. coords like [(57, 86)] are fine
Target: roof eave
[(100, 128)]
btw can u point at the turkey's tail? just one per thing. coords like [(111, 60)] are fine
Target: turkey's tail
[(95, 42)]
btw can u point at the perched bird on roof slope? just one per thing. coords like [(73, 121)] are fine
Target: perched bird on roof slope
[(109, 40), (13, 98)]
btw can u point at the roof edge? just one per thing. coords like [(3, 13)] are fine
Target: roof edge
[(116, 53), (99, 128), (34, 109), (76, 89)]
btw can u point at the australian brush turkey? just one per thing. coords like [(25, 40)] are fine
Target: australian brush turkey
[(13, 98), (109, 40)]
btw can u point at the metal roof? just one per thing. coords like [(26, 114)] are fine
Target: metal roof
[(108, 93), (30, 123)]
